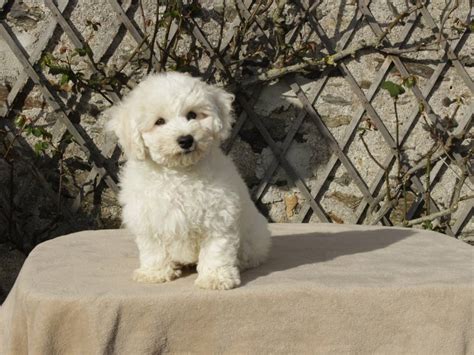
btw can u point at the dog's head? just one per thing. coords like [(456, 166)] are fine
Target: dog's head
[(171, 118)]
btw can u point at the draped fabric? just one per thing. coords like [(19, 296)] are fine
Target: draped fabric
[(326, 289)]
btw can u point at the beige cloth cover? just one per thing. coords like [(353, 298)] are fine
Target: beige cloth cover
[(326, 289)]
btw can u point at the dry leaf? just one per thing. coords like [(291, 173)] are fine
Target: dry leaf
[(291, 201)]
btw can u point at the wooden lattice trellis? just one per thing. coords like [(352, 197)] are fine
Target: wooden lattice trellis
[(103, 159)]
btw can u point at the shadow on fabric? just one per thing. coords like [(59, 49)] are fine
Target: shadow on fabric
[(291, 251)]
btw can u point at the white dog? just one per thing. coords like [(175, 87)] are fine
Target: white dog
[(182, 197)]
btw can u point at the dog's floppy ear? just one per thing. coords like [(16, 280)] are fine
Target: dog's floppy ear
[(223, 101), (126, 131)]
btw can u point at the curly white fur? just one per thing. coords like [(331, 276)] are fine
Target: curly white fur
[(185, 206)]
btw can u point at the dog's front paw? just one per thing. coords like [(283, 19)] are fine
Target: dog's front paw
[(150, 275), (223, 278)]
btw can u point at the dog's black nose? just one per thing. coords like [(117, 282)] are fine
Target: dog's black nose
[(185, 142)]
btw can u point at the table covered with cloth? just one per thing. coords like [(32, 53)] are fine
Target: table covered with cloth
[(326, 289)]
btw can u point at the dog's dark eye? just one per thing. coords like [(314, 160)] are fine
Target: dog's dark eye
[(160, 121), (191, 115)]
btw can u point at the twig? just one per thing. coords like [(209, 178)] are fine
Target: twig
[(443, 146), (387, 181), (429, 217), (222, 24), (459, 185), (361, 136), (309, 64), (391, 203), (397, 20), (12, 202), (399, 51), (169, 22), (133, 54), (15, 137), (278, 28), (422, 164), (427, 194), (400, 181), (240, 35), (142, 12), (454, 205), (153, 38), (397, 140), (443, 21), (60, 185)]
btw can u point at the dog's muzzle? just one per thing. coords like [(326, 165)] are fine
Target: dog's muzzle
[(186, 143)]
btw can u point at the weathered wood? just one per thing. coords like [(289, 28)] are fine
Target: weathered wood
[(104, 159), (464, 217), (448, 47), (351, 129), (264, 132), (405, 130), (334, 145), (35, 56), (78, 133), (134, 31)]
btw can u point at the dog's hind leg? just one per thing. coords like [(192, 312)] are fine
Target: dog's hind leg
[(255, 243)]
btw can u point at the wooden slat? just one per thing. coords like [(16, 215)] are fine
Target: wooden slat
[(34, 57), (295, 126), (448, 47), (405, 130), (350, 131), (80, 136), (133, 30), (291, 173), (377, 121), (320, 83), (101, 169), (333, 144), (464, 217)]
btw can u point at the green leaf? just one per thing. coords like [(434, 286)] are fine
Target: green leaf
[(427, 225), (59, 69), (191, 10), (37, 132), (67, 138), (47, 59), (410, 81), (330, 60), (393, 89), (20, 121), (40, 147), (45, 134), (86, 50), (421, 107), (172, 14), (471, 26), (81, 51), (64, 79)]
